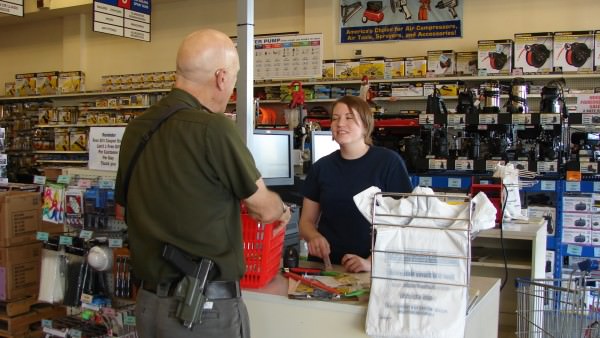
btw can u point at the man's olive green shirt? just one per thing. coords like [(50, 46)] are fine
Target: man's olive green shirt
[(186, 188)]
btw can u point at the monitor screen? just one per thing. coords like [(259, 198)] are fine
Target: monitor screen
[(272, 152), (322, 144)]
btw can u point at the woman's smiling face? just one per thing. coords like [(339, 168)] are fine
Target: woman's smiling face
[(346, 126)]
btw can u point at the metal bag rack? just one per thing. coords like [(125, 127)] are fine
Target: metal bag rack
[(421, 265)]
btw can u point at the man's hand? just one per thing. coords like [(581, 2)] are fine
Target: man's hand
[(354, 263), (318, 246)]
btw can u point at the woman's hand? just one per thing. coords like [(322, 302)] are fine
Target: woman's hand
[(354, 263), (318, 246)]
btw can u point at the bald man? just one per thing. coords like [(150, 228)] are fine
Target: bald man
[(185, 190)]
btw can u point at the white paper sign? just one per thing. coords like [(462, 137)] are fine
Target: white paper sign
[(104, 144)]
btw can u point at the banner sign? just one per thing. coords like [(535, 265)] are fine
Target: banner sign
[(12, 7), (392, 20), (126, 18)]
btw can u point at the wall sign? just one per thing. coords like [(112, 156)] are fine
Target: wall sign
[(126, 18), (288, 56), (390, 20), (12, 7), (104, 144)]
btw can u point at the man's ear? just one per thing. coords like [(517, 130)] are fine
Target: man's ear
[(220, 78)]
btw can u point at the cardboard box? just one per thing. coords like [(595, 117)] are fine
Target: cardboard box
[(441, 62), (328, 69), (495, 56), (597, 50), (533, 52), (373, 67), (415, 66), (25, 84), (72, 82), (466, 63), (347, 69), (46, 83), (20, 270), (394, 68), (573, 51), (20, 217), (581, 204), (577, 221), (9, 89), (576, 236)]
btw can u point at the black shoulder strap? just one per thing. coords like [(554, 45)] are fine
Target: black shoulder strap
[(145, 138)]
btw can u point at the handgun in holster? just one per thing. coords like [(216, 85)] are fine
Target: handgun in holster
[(190, 290)]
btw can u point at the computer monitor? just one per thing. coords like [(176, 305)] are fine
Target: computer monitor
[(272, 152), (321, 144)]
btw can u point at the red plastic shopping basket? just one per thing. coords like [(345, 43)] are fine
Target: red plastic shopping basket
[(263, 244)]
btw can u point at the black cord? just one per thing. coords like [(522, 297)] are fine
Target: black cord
[(502, 239)]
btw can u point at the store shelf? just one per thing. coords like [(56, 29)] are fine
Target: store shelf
[(80, 125), (59, 152), (114, 108), (81, 95), (63, 161)]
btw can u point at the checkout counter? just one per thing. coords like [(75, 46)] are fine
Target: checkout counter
[(273, 315)]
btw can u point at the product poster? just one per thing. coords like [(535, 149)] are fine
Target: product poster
[(288, 56), (392, 20)]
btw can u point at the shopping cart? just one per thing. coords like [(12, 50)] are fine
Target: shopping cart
[(560, 308)]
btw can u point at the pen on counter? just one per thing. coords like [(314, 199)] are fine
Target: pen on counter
[(311, 282), (327, 262)]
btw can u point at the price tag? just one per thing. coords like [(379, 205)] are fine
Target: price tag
[(596, 252), (63, 179), (574, 250), (39, 179), (573, 186), (548, 185), (596, 186), (129, 320), (425, 181), (86, 298), (47, 323), (41, 236), (115, 243), (484, 182), (74, 333), (106, 184), (482, 72), (65, 240), (454, 182), (517, 71), (86, 234), (84, 183)]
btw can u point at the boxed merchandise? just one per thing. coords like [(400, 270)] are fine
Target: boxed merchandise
[(71, 82), (466, 63), (576, 236), (577, 204), (328, 69), (20, 271), (322, 92), (46, 83), (394, 68), (597, 50), (573, 51), (577, 220), (373, 67), (20, 217), (9, 89), (407, 89), (78, 140), (347, 69), (441, 62), (384, 89), (495, 56), (25, 84), (533, 52), (61, 140), (595, 238), (415, 66)]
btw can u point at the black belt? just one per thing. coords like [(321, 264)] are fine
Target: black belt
[(214, 290)]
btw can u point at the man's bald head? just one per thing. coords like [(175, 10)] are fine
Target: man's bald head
[(203, 52), (207, 66)]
